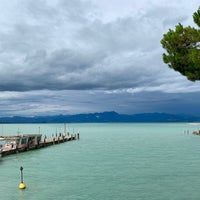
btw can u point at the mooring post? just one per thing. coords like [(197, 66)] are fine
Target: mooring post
[(65, 128), (22, 184), (21, 169)]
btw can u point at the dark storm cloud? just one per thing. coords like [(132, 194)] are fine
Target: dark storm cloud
[(63, 56), (58, 45), (79, 101)]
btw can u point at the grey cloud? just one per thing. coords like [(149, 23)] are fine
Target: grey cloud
[(40, 10), (100, 55), (79, 101), (61, 11), (63, 48), (122, 35), (77, 10)]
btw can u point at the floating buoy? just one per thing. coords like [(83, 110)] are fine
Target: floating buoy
[(22, 184)]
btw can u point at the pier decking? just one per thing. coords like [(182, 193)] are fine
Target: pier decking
[(22, 143)]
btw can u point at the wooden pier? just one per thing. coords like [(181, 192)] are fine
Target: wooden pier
[(22, 143)]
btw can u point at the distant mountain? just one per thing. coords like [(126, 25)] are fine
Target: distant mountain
[(103, 117)]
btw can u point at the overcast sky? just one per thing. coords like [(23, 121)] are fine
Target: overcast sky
[(78, 56)]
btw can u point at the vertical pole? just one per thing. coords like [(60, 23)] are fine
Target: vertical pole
[(21, 169), (65, 128), (22, 184), (2, 129)]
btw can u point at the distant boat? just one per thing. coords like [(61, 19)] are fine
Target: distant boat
[(197, 132)]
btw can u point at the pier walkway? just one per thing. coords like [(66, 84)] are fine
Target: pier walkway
[(32, 143)]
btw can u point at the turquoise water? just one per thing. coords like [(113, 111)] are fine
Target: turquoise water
[(122, 161)]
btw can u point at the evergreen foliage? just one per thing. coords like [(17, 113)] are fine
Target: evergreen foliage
[(183, 49)]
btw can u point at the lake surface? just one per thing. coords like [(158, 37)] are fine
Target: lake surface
[(111, 161)]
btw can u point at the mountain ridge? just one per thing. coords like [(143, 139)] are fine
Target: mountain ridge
[(108, 116)]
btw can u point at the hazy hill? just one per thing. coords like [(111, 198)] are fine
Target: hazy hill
[(103, 117)]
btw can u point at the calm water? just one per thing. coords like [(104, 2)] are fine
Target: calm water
[(109, 162)]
